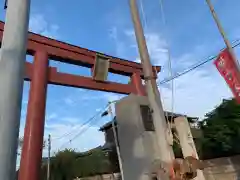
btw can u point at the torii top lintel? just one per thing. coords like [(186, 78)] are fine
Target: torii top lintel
[(71, 54), (61, 51)]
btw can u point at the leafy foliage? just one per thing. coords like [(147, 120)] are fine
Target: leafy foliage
[(221, 135), (69, 164), (221, 130)]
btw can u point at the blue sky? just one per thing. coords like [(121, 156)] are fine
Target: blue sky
[(105, 26)]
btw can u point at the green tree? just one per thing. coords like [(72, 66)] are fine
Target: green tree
[(221, 131), (63, 165), (69, 164)]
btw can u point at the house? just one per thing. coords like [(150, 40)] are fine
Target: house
[(109, 137), (148, 126)]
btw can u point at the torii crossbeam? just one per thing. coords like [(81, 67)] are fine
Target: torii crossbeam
[(40, 75)]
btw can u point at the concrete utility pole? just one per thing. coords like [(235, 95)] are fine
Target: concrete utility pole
[(12, 62), (116, 141), (221, 30), (186, 141), (153, 96), (49, 156)]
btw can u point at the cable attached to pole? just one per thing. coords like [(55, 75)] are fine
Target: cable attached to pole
[(145, 25), (169, 63), (153, 96), (170, 73), (169, 56), (201, 63)]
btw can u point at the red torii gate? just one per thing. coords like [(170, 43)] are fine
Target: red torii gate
[(40, 74)]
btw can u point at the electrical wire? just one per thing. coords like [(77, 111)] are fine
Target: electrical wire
[(71, 131), (168, 53), (169, 66), (65, 134), (210, 58), (144, 16), (169, 124), (83, 128)]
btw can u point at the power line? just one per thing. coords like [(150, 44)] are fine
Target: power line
[(72, 130), (210, 58), (143, 14), (170, 70), (66, 134), (84, 129)]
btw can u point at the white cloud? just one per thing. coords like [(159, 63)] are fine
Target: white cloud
[(195, 93), (39, 24), (69, 101), (110, 97), (120, 46), (156, 46), (70, 120), (78, 137), (90, 96), (67, 127), (98, 110), (51, 116), (84, 137)]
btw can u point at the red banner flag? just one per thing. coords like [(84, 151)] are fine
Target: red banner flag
[(228, 69)]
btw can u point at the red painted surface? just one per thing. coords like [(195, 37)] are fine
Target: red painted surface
[(70, 80), (88, 83), (64, 52), (34, 130), (228, 69), (40, 75), (136, 82)]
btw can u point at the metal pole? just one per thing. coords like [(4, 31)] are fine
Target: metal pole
[(49, 155), (221, 30), (116, 142), (12, 61), (153, 96)]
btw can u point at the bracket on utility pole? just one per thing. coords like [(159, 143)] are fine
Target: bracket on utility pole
[(5, 4)]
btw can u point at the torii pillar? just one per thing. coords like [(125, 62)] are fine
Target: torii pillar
[(136, 82), (34, 130)]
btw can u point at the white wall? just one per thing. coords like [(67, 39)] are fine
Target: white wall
[(137, 146)]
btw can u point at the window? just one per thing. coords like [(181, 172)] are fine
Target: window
[(147, 118)]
